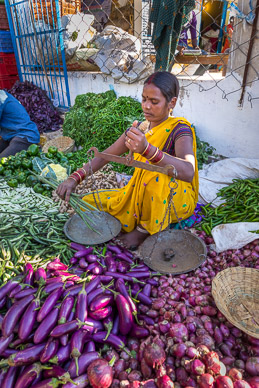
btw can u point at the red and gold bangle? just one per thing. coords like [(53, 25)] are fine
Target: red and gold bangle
[(146, 150), (81, 173), (82, 168), (74, 178), (76, 173), (160, 156), (154, 155)]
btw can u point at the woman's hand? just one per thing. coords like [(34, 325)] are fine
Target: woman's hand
[(66, 188), (135, 139)]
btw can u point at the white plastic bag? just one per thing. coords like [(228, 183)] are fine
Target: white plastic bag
[(234, 236)]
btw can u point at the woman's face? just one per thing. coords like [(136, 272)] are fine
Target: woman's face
[(154, 105)]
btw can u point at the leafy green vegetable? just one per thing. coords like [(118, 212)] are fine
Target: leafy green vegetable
[(204, 150), (97, 120)]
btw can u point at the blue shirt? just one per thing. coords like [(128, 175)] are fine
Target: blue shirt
[(15, 121)]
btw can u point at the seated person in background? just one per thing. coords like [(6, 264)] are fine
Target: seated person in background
[(228, 32), (212, 34), (17, 131), (190, 25)]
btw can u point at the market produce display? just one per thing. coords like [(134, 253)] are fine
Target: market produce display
[(240, 204), (107, 320), (17, 169), (37, 104), (30, 223)]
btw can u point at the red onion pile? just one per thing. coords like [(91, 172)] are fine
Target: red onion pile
[(123, 326)]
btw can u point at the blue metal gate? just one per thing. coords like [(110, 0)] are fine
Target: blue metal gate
[(37, 37)]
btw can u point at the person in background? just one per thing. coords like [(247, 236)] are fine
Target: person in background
[(190, 25), (212, 34), (141, 206), (17, 131), (228, 32)]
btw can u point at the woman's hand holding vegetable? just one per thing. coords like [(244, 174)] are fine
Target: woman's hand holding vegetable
[(135, 139), (66, 188)]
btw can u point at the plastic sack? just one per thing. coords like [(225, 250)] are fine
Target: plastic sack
[(234, 236), (220, 174)]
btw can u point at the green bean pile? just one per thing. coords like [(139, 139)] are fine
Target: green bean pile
[(241, 204), (30, 225)]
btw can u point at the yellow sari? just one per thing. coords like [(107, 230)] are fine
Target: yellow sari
[(144, 200)]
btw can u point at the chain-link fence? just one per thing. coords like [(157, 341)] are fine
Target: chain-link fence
[(197, 40)]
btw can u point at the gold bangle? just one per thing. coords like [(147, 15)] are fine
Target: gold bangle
[(160, 159), (82, 168), (155, 154), (145, 149), (71, 177), (75, 172)]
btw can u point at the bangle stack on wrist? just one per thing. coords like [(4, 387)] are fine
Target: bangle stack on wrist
[(146, 150), (79, 175)]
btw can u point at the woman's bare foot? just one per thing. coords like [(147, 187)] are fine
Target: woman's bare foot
[(132, 239)]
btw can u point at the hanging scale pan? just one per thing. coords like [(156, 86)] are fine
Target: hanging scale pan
[(106, 226), (173, 251)]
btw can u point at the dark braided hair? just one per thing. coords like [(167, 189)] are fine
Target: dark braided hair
[(166, 82)]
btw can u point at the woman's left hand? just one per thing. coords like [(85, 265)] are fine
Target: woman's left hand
[(135, 140)]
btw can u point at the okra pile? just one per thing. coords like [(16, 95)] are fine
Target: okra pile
[(240, 204)]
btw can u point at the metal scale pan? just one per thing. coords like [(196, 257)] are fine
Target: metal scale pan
[(173, 251), (106, 225)]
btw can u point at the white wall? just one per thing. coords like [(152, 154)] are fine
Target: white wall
[(232, 130)]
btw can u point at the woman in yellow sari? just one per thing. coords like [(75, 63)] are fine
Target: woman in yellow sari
[(141, 205)]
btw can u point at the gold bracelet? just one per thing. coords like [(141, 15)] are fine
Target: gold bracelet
[(82, 168), (71, 177), (155, 154), (75, 172)]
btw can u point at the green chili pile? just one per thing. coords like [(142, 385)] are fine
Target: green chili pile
[(240, 204)]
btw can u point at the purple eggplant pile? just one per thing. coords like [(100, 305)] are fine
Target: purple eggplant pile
[(109, 321)]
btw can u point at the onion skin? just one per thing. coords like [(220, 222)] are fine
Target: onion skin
[(164, 382), (100, 374), (235, 374), (154, 355), (223, 382), (211, 361), (252, 366), (241, 384), (254, 382), (206, 381)]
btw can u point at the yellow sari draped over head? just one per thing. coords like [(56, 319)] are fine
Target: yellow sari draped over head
[(144, 200)]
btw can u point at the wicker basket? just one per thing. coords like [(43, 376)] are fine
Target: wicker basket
[(236, 294), (63, 143)]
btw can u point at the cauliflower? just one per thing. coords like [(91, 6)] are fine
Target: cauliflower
[(55, 171)]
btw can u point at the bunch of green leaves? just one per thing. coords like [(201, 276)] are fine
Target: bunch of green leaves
[(98, 120), (204, 150)]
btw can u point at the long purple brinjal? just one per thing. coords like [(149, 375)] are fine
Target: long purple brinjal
[(62, 355), (83, 362), (28, 375), (24, 357), (48, 383), (28, 319), (65, 309), (13, 315), (50, 350), (81, 305), (81, 382), (49, 304), (125, 314), (9, 286), (112, 340), (46, 326), (4, 342), (10, 377)]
